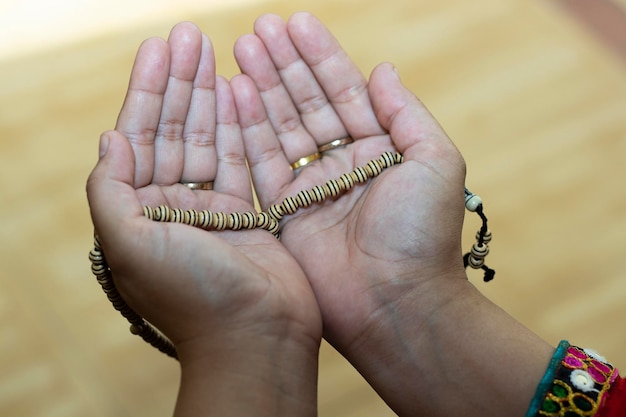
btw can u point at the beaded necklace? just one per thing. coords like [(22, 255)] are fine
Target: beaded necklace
[(267, 220)]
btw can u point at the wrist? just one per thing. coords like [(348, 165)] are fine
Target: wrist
[(445, 349), (249, 373)]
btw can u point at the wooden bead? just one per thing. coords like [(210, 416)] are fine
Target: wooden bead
[(120, 306), (304, 198), (486, 238), (248, 220), (267, 222), (333, 187), (185, 218), (374, 167), (109, 287), (475, 262), (95, 255), (191, 217), (205, 219), (340, 185), (387, 160), (110, 290), (472, 202), (274, 227), (168, 214), (318, 194), (162, 214), (290, 205), (96, 242), (157, 214), (360, 174), (235, 221), (118, 303), (219, 221), (152, 336), (105, 282), (148, 212), (176, 215), (348, 181), (263, 220), (149, 336), (276, 211), (479, 251), (136, 330), (327, 191), (98, 269)]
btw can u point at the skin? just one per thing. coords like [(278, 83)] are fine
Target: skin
[(384, 261), (377, 272), (237, 306)]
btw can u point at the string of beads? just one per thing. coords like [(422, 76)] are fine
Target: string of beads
[(138, 325), (475, 258), (267, 220)]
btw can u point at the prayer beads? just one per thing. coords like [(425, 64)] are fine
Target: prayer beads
[(268, 220)]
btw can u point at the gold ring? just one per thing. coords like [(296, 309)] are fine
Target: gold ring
[(306, 160), (199, 185), (337, 143)]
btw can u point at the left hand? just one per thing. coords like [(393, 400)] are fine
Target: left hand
[(179, 124)]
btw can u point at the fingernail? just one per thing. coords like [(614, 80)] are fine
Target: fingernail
[(104, 145), (395, 71)]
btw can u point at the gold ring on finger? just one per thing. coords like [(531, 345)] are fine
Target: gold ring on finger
[(337, 143), (306, 160), (205, 186)]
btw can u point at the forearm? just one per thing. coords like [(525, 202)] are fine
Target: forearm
[(258, 377), (465, 357)]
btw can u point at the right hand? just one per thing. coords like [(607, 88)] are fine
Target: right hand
[(385, 242)]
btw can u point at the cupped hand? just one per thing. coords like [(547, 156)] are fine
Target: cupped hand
[(392, 236), (179, 124)]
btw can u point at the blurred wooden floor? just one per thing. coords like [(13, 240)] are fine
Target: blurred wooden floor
[(534, 99)]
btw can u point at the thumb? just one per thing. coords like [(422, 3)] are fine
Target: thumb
[(110, 192), (412, 127)]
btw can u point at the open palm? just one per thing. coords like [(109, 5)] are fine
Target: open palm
[(300, 91), (179, 124)]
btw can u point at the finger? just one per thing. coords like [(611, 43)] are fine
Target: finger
[(413, 129), (139, 118), (112, 198), (343, 84), (269, 166), (232, 172), (185, 43), (254, 61), (200, 162), (296, 77)]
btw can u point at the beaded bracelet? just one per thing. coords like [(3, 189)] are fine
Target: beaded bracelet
[(267, 220), (575, 385)]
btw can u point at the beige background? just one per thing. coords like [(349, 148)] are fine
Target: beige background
[(534, 101)]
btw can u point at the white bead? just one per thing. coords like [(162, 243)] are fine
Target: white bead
[(582, 380), (472, 202)]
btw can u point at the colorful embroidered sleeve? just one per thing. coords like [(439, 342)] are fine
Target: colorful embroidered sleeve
[(579, 383)]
